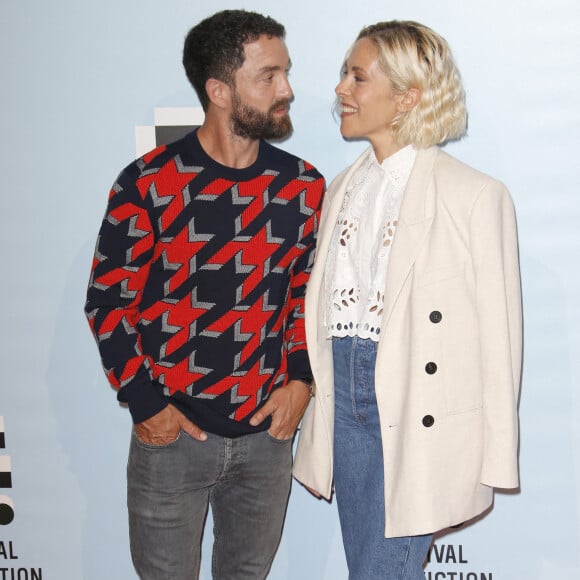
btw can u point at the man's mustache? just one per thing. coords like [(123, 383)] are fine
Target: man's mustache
[(284, 103)]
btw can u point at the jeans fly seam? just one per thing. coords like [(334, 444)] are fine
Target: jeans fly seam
[(227, 458)]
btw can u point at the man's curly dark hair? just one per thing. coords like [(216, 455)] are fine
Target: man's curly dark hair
[(214, 48)]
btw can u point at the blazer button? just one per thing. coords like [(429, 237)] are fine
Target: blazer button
[(435, 317), (430, 368), (428, 421)]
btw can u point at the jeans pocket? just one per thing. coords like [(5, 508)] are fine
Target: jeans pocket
[(276, 440), (144, 445)]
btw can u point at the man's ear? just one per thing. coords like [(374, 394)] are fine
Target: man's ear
[(219, 93), (410, 99)]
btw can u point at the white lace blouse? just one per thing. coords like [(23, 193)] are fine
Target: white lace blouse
[(356, 266)]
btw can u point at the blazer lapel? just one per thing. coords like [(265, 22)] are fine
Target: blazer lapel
[(314, 311), (415, 219), (335, 196)]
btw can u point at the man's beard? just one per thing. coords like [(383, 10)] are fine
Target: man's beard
[(253, 124)]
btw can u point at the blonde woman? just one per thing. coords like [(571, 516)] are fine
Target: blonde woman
[(413, 315)]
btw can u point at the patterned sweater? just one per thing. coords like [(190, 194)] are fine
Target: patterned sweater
[(198, 280)]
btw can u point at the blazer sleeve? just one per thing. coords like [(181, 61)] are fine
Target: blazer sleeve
[(494, 248)]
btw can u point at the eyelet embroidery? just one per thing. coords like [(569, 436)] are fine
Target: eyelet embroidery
[(344, 298), (356, 265)]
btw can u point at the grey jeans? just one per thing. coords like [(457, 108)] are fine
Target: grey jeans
[(245, 480)]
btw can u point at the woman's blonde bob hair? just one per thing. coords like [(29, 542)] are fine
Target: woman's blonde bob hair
[(414, 56)]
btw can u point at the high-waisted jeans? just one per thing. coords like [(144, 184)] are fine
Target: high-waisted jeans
[(358, 472)]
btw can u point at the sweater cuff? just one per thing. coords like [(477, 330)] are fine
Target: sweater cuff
[(145, 399), (299, 366)]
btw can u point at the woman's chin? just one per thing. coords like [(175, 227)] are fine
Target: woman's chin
[(346, 133)]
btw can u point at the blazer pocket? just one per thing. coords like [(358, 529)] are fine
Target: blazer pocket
[(438, 275)]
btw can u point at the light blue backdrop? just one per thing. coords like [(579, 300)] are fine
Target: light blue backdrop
[(78, 77)]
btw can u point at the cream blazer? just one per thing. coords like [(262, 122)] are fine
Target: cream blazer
[(449, 357)]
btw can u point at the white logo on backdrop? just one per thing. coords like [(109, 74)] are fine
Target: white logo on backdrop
[(171, 123)]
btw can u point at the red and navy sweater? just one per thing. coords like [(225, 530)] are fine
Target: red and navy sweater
[(196, 294)]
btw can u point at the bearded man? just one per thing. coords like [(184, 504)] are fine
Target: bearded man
[(196, 301)]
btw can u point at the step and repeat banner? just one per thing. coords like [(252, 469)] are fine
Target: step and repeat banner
[(86, 87)]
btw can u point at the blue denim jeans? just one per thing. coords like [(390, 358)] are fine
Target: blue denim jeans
[(358, 472), (246, 481)]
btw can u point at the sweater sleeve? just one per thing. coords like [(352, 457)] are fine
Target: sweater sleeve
[(295, 336), (120, 268)]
